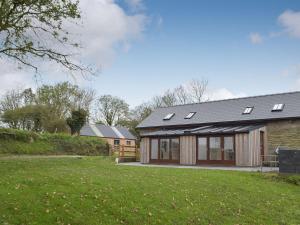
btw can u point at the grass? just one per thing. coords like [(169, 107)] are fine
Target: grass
[(93, 190), (24, 142)]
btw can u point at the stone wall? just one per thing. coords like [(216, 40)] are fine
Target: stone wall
[(285, 134)]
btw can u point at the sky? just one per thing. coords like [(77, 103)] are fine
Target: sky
[(144, 47)]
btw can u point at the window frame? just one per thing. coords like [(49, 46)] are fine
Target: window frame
[(248, 110), (278, 107), (190, 115), (159, 160), (169, 116), (217, 162), (116, 140)]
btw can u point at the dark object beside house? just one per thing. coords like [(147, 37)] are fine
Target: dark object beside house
[(289, 161)]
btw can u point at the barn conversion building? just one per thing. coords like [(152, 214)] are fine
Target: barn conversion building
[(227, 132), (115, 136)]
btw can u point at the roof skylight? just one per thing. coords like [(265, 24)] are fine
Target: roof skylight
[(248, 110), (190, 115), (278, 107), (169, 116)]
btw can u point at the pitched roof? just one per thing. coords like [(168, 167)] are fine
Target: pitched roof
[(99, 130), (230, 110)]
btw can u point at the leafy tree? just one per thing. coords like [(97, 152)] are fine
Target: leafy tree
[(77, 120), (35, 29), (63, 98), (110, 109), (30, 117), (49, 107)]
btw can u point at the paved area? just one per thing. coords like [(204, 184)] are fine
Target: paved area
[(232, 168)]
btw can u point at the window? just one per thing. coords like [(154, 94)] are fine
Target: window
[(128, 142), (154, 148), (165, 148), (215, 150), (202, 148), (174, 149), (116, 142), (248, 110), (229, 148), (169, 116), (190, 115), (278, 107)]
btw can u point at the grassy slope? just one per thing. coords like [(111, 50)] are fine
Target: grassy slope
[(24, 142), (95, 191)]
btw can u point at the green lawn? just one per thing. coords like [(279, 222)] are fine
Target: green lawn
[(95, 191)]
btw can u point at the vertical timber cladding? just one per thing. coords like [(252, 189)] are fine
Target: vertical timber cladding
[(248, 148), (145, 150), (242, 153), (188, 150)]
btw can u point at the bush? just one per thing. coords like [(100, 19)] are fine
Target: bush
[(288, 178), (24, 142)]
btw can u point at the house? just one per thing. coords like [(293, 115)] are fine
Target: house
[(113, 135), (227, 132)]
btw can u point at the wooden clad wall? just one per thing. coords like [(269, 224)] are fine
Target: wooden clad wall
[(242, 153), (254, 137), (247, 147), (188, 150), (145, 150)]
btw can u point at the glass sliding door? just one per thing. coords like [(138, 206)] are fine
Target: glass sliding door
[(164, 149), (215, 150), (202, 148), (154, 149), (229, 153), (174, 149)]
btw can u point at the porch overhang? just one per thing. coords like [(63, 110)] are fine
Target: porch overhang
[(203, 130)]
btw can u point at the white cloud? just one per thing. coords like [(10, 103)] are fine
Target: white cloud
[(256, 38), (106, 26), (223, 93), (12, 77), (290, 20), (106, 29)]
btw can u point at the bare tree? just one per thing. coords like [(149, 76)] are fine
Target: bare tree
[(35, 29), (197, 90), (182, 95), (11, 100), (110, 110), (169, 98)]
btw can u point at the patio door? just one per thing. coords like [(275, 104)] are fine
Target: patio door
[(164, 150), (216, 150)]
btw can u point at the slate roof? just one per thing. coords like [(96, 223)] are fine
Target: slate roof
[(230, 110), (99, 130), (203, 130)]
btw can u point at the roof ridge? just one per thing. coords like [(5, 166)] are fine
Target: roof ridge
[(230, 99)]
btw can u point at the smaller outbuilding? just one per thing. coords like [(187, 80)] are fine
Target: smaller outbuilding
[(115, 136)]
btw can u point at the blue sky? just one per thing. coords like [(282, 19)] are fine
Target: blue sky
[(240, 47)]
